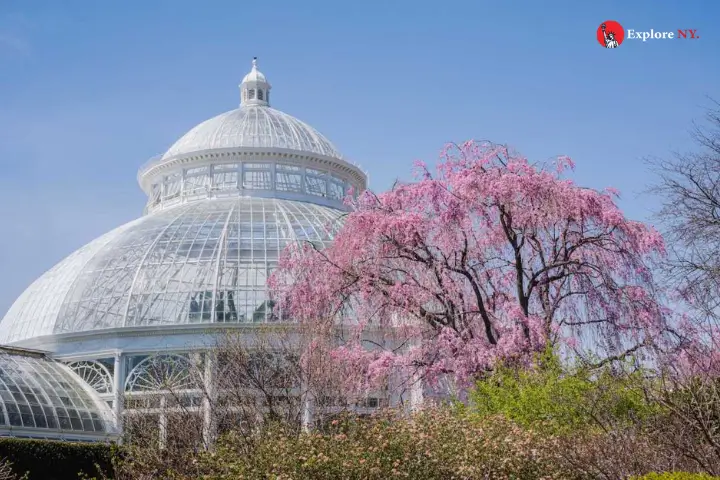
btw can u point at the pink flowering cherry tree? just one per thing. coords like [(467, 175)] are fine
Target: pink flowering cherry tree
[(489, 258)]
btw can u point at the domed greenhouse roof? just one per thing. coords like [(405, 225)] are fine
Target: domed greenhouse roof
[(202, 262)]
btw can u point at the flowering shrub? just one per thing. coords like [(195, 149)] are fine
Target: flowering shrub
[(431, 444), (434, 443)]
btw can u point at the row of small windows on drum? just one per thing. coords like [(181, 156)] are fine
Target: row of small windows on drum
[(253, 177)]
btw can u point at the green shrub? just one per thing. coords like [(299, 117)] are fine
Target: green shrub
[(676, 476), (55, 460), (560, 399)]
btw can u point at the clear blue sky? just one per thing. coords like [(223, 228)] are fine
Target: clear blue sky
[(90, 89)]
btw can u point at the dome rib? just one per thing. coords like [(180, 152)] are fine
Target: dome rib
[(221, 242)]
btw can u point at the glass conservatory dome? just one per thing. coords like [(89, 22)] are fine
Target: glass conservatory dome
[(223, 202)]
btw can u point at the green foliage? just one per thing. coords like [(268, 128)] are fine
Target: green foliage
[(676, 476), (560, 399), (54, 460)]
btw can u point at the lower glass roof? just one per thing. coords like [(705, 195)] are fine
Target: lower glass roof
[(44, 396)]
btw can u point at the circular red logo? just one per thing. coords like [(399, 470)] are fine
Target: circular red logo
[(610, 34)]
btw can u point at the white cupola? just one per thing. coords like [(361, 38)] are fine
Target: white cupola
[(255, 89)]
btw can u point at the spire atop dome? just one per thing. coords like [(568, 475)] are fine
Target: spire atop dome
[(255, 89)]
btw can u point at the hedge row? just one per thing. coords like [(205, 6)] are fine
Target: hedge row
[(55, 460), (676, 476)]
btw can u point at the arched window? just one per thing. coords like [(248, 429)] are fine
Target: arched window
[(260, 94), (251, 94)]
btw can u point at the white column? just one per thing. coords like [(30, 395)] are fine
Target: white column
[(181, 193), (416, 392), (308, 405), (273, 173), (162, 423), (209, 400), (308, 411), (417, 385), (241, 175), (118, 389)]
